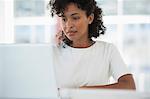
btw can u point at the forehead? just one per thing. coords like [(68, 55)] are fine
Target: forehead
[(72, 9)]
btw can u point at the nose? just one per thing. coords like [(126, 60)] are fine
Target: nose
[(69, 24)]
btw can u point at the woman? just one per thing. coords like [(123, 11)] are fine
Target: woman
[(80, 61)]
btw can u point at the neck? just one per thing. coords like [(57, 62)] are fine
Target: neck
[(82, 44)]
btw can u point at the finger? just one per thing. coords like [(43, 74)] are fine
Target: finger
[(58, 38)]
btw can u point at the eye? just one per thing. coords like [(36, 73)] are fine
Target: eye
[(76, 17), (64, 19)]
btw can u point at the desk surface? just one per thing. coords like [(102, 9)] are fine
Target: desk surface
[(97, 94), (104, 94)]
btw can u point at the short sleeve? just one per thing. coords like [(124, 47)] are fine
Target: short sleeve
[(117, 66)]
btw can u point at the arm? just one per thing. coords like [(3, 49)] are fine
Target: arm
[(124, 82)]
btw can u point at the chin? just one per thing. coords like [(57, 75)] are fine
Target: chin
[(70, 38)]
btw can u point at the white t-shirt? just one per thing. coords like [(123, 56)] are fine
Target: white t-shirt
[(94, 65)]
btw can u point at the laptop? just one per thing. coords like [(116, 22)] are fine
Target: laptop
[(26, 71)]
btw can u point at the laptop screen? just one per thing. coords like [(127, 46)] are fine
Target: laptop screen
[(26, 71)]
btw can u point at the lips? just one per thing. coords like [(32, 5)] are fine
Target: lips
[(71, 33)]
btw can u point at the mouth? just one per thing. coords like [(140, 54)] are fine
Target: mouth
[(71, 33)]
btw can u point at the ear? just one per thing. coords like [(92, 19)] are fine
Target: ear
[(90, 18)]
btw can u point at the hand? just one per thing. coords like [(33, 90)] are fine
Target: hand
[(59, 38), (85, 87)]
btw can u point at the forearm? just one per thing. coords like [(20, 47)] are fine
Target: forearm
[(124, 82), (111, 86)]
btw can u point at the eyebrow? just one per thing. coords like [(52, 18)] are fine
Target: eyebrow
[(71, 14), (74, 14)]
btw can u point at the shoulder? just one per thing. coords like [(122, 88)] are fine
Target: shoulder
[(104, 48), (105, 45)]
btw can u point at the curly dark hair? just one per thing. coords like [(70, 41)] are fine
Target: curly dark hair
[(96, 28)]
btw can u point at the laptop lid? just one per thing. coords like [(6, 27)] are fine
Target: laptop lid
[(26, 71)]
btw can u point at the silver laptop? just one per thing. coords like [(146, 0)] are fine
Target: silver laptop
[(26, 71)]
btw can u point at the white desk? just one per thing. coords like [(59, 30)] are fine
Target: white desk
[(97, 94), (103, 94)]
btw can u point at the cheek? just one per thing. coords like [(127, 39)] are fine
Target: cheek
[(62, 26), (82, 26), (79, 24)]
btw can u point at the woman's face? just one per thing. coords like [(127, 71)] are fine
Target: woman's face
[(75, 23)]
